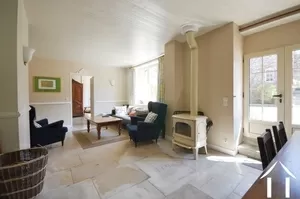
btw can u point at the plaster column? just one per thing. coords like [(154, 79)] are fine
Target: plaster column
[(14, 106)]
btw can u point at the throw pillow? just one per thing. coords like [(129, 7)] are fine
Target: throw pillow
[(37, 125), (151, 117), (120, 110)]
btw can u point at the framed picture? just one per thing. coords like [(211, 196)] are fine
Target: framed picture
[(47, 84)]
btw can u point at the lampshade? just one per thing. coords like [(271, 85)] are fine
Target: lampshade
[(27, 54)]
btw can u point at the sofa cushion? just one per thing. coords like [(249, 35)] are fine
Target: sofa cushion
[(129, 109), (123, 116), (120, 110), (141, 111)]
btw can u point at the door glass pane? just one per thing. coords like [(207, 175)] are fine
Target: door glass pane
[(263, 85), (296, 87)]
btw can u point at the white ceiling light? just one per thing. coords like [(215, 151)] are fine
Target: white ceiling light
[(27, 54)]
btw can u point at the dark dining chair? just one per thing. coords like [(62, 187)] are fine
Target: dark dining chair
[(266, 148), (282, 134), (276, 137)]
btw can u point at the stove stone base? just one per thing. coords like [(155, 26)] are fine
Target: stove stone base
[(195, 149)]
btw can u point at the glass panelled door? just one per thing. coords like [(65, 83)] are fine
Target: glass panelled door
[(296, 87), (292, 57), (264, 91)]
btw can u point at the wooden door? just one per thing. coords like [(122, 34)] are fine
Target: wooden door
[(77, 98)]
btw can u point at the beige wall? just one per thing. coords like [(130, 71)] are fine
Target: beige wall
[(174, 87), (14, 128), (280, 36), (220, 52), (106, 96), (8, 81), (217, 82)]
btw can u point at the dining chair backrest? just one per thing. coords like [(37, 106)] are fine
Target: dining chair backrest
[(282, 134), (266, 148), (276, 137)]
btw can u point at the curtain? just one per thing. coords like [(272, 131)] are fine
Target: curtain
[(161, 83)]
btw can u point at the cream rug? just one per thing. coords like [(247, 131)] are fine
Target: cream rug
[(89, 140)]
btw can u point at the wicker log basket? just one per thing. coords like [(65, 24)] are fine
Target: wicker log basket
[(22, 173)]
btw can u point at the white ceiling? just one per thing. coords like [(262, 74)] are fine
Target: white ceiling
[(129, 32)]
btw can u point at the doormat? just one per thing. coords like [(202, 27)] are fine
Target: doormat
[(90, 140)]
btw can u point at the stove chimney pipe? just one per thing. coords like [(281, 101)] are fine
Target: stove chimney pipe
[(189, 31)]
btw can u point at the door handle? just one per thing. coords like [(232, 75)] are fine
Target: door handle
[(279, 95)]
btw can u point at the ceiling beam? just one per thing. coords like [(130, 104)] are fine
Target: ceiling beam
[(270, 18)]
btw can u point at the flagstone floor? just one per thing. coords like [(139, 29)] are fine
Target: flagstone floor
[(150, 171)]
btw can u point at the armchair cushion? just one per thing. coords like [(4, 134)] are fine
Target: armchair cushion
[(151, 117), (131, 128), (57, 124), (37, 125), (136, 119), (43, 122), (146, 127)]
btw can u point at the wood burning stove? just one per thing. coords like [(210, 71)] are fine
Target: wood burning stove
[(189, 132)]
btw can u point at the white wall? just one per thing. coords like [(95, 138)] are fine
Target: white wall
[(86, 90), (237, 83), (77, 78)]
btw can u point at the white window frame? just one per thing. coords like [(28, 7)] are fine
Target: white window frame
[(146, 67), (272, 77)]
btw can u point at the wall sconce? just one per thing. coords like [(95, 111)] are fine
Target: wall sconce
[(27, 54), (112, 82)]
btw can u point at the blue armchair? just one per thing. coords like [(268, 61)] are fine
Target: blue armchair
[(47, 133), (142, 131)]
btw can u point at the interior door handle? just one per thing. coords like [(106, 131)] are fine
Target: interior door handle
[(279, 95)]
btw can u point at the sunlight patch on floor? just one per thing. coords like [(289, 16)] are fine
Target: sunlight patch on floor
[(233, 159)]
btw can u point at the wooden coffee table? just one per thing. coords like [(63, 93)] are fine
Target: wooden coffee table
[(103, 121)]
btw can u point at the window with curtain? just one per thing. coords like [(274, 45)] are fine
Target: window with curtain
[(146, 82)]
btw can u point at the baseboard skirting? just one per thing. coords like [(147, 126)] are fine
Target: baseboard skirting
[(221, 149), (70, 127)]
